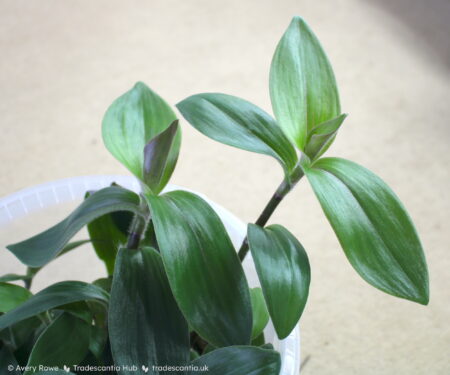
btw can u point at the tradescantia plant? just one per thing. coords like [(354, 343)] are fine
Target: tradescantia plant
[(175, 298)]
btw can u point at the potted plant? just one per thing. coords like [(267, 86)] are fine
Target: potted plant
[(176, 298)]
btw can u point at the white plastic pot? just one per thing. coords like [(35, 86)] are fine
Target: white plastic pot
[(37, 199)]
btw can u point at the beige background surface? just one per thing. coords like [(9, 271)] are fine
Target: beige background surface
[(63, 62)]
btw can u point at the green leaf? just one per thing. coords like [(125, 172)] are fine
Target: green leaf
[(106, 238), (259, 340), (53, 296), (13, 277), (42, 248), (12, 296), (132, 121), (260, 313), (160, 157), (321, 137), (17, 335), (302, 85), (204, 271), (97, 341), (64, 342), (373, 228), (240, 360), (238, 123), (284, 272), (145, 324), (7, 359)]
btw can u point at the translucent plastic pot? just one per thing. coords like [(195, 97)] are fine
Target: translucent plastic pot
[(31, 210)]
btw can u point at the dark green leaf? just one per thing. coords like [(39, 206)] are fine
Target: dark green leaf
[(55, 295), (260, 339), (64, 342), (42, 248), (260, 313), (145, 324), (302, 84), (240, 360), (79, 309), (7, 359), (321, 137), (193, 354), (204, 271), (106, 239), (12, 296), (374, 229), (104, 283), (18, 334), (284, 272), (160, 157), (131, 121), (97, 341), (238, 123)]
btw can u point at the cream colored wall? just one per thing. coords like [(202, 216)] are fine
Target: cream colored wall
[(63, 62)]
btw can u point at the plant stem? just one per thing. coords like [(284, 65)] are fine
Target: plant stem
[(137, 227), (284, 188)]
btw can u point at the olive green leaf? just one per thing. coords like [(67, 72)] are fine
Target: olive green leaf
[(239, 360), (12, 296), (321, 137), (145, 324), (42, 248), (302, 84), (159, 159), (260, 313), (132, 121), (238, 123), (284, 272), (373, 228), (53, 296), (65, 342), (204, 271)]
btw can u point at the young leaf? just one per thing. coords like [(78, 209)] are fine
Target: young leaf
[(204, 271), (42, 248), (321, 137), (145, 324), (64, 342), (284, 272), (239, 360), (238, 123), (53, 296), (302, 85), (373, 227), (260, 313), (159, 159), (12, 296), (131, 121)]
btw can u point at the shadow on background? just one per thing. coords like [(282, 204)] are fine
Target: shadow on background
[(429, 24)]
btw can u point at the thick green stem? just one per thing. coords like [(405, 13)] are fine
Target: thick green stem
[(284, 188)]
